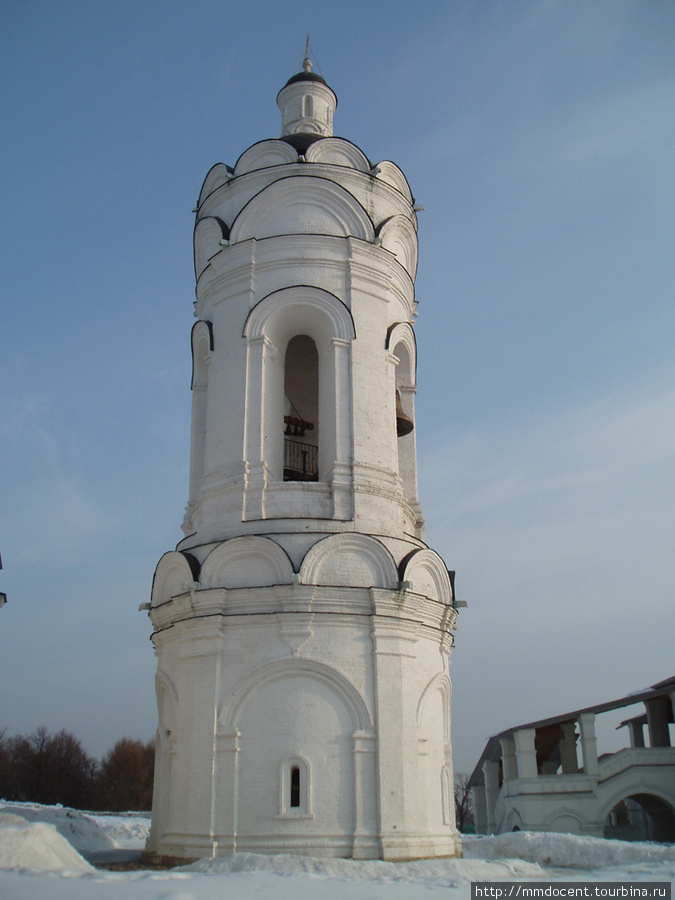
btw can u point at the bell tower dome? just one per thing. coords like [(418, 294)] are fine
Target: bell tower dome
[(307, 104), (302, 627)]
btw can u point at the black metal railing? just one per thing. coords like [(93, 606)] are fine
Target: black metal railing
[(301, 461)]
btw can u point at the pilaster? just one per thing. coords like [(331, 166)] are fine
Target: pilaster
[(509, 761), (589, 743), (226, 783), (480, 808), (568, 749), (526, 753), (637, 734), (657, 721), (491, 778), (398, 787), (366, 841)]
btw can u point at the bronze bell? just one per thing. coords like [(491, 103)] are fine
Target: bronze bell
[(404, 424)]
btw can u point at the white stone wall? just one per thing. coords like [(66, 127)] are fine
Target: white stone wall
[(573, 802), (303, 628), (340, 243)]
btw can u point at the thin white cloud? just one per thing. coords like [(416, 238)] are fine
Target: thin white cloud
[(561, 530), (588, 452), (639, 119)]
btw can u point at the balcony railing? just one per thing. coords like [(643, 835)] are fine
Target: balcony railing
[(301, 461)]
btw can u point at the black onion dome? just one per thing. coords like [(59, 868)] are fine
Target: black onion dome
[(306, 76)]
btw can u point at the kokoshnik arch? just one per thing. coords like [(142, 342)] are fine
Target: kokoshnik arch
[(302, 627)]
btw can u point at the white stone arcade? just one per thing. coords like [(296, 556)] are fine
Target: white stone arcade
[(548, 775), (302, 627)]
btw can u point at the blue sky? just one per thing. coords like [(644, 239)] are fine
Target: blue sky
[(540, 138)]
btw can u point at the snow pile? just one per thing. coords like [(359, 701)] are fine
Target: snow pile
[(566, 850), (127, 831), (440, 872), (36, 859), (84, 834), (36, 846)]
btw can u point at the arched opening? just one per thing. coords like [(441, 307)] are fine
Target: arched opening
[(405, 416), (299, 341), (641, 817), (202, 346), (308, 106), (295, 787), (301, 410), (294, 793)]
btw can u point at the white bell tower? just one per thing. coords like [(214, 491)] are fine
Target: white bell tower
[(302, 627)]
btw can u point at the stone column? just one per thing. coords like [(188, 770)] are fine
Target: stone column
[(657, 722), (637, 733), (341, 468), (568, 748), (525, 753), (480, 809), (260, 383), (491, 776), (589, 744), (509, 762)]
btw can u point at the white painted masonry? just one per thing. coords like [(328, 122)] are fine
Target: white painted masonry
[(302, 627)]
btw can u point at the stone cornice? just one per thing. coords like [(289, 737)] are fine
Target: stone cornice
[(403, 607)]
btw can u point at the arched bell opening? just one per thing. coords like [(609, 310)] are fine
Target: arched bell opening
[(641, 817), (404, 424), (301, 410), (202, 347), (405, 421), (299, 346)]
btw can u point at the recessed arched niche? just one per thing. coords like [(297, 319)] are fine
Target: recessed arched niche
[(302, 434), (356, 560), (338, 152), (428, 575), (390, 173), (217, 176), (321, 207), (398, 235), (202, 348), (403, 348), (175, 573), (246, 561), (299, 341), (209, 234), (265, 154)]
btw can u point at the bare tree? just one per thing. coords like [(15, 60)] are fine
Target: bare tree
[(46, 768), (463, 803)]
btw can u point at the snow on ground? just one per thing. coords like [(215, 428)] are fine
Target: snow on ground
[(127, 831), (29, 872), (85, 835), (567, 850), (36, 846)]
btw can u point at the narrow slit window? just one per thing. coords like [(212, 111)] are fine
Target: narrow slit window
[(295, 788)]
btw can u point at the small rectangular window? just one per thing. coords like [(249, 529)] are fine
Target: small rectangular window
[(295, 788)]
